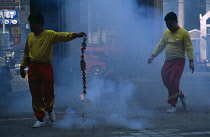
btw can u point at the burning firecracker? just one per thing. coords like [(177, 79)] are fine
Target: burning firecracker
[(83, 67)]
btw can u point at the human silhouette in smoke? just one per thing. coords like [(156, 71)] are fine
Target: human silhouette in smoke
[(176, 42), (37, 56)]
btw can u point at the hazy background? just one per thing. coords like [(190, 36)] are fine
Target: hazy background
[(128, 96)]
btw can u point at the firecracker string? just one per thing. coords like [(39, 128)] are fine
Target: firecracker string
[(83, 64)]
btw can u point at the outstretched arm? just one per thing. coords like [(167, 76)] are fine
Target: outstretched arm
[(81, 34), (66, 36)]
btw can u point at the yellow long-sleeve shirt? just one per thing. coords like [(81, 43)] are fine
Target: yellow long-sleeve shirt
[(176, 44), (38, 48)]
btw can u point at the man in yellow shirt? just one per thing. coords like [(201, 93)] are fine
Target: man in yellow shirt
[(176, 42), (37, 56)]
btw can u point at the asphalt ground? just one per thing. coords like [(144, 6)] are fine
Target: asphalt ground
[(16, 116)]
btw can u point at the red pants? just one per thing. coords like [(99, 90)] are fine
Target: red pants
[(171, 74), (41, 84)]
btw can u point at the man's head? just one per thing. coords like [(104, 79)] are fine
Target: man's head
[(36, 21), (171, 21)]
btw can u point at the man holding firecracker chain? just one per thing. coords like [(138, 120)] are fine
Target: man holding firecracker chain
[(37, 56), (176, 42)]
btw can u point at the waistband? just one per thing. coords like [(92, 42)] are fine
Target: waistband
[(176, 59), (33, 62)]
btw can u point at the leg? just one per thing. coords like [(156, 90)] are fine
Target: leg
[(175, 76), (47, 86), (37, 100), (171, 74), (35, 89), (173, 89), (166, 75), (48, 94)]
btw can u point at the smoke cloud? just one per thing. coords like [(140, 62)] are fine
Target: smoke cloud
[(114, 99), (129, 94), (107, 103)]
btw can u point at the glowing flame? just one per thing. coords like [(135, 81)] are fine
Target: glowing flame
[(82, 96)]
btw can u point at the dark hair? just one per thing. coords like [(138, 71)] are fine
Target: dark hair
[(171, 16), (36, 17)]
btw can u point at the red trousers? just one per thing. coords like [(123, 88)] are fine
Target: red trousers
[(41, 84), (171, 74)]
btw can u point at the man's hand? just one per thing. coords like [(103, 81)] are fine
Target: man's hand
[(81, 34), (191, 65), (22, 72), (149, 61)]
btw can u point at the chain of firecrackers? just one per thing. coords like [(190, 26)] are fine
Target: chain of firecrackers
[(83, 65)]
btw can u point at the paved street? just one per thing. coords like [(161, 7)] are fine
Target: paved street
[(151, 120), (178, 125)]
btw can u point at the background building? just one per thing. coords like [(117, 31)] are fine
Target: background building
[(74, 15), (89, 16), (187, 10), (16, 28)]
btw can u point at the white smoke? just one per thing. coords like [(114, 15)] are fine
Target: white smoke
[(107, 103), (115, 100)]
